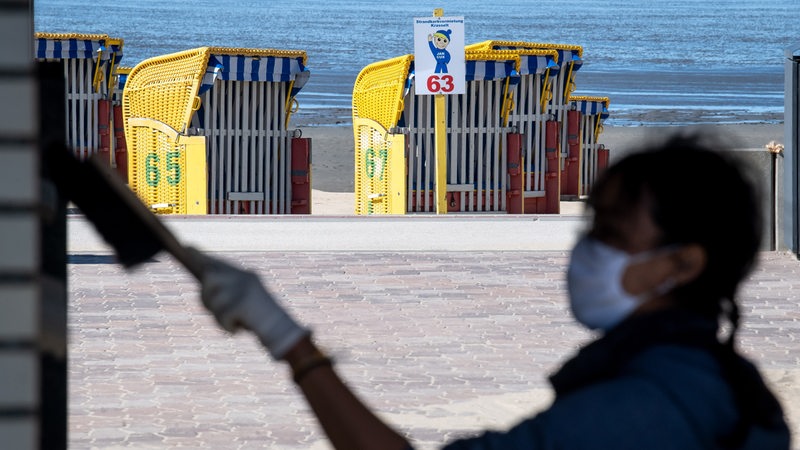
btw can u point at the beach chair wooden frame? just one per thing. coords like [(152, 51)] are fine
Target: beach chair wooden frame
[(593, 111), (89, 61)]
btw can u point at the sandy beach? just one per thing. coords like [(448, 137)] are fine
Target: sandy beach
[(333, 154)]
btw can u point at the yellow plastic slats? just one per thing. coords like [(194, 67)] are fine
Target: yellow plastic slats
[(63, 36), (195, 169), (589, 98), (260, 52), (157, 105), (165, 87), (503, 55), (169, 175), (378, 90), (479, 52), (155, 175), (491, 44), (379, 169)]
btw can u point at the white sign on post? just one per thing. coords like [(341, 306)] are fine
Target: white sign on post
[(439, 66)]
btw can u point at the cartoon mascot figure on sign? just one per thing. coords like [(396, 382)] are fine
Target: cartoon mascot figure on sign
[(438, 43)]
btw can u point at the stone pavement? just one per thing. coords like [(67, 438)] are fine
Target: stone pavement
[(440, 343)]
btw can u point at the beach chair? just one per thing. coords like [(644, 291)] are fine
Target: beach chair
[(207, 132), (587, 157), (89, 62), (479, 135)]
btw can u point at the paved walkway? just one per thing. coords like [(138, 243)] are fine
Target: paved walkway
[(440, 342)]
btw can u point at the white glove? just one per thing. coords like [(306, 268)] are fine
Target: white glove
[(238, 299)]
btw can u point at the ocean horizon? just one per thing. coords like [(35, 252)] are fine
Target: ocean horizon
[(717, 61)]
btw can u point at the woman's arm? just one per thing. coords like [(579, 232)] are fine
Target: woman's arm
[(347, 422)]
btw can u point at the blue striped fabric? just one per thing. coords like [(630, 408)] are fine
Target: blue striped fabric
[(534, 64), (490, 70), (74, 49), (249, 68), (567, 56), (213, 71), (121, 80), (564, 57), (592, 107)]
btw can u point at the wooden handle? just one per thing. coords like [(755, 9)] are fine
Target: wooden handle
[(153, 224)]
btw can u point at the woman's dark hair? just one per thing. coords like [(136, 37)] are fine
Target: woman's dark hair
[(698, 194)]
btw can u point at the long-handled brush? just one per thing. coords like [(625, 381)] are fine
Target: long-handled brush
[(123, 221)]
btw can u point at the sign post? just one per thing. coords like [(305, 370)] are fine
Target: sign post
[(439, 70)]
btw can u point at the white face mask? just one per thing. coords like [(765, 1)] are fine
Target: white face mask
[(594, 283)]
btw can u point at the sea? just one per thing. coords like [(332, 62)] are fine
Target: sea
[(659, 61)]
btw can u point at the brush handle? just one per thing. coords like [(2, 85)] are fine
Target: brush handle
[(156, 227)]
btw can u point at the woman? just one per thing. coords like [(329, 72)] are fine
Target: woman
[(675, 229)]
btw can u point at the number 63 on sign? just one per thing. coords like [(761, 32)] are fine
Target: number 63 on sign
[(440, 84), (439, 62)]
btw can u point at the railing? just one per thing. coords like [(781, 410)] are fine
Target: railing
[(791, 214)]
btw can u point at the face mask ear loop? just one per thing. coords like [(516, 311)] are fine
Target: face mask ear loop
[(665, 286), (647, 254)]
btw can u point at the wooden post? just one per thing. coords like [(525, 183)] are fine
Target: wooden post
[(516, 200), (440, 130)]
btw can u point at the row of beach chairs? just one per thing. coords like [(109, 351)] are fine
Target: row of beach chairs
[(207, 130)]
